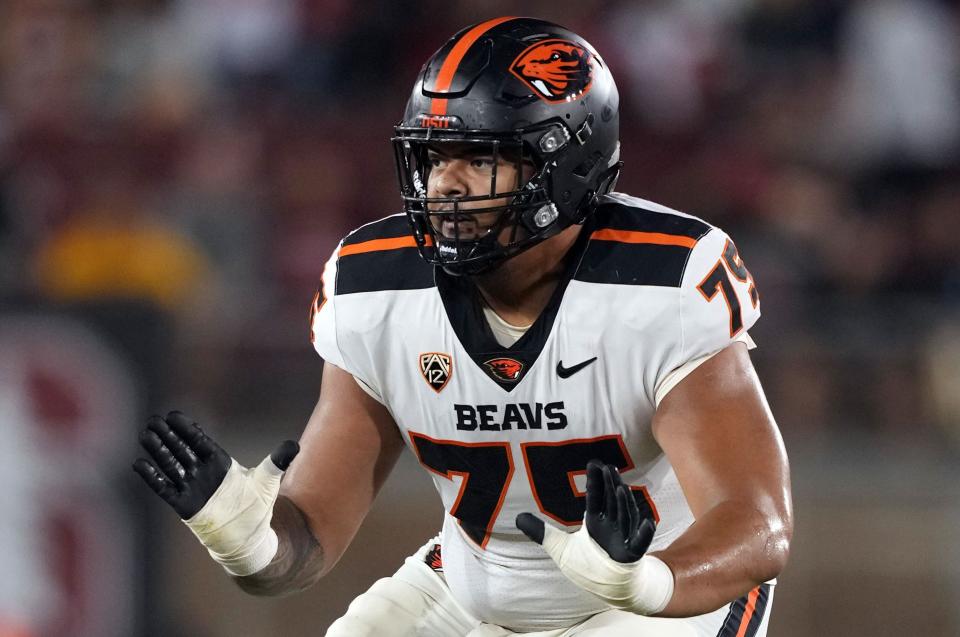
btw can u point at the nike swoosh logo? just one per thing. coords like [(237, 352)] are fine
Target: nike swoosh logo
[(567, 372)]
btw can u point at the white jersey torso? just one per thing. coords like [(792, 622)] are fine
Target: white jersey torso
[(507, 430)]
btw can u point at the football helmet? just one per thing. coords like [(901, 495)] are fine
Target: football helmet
[(519, 90)]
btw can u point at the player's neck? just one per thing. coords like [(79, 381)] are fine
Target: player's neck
[(520, 288)]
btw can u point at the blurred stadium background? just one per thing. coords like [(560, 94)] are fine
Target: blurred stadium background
[(173, 173)]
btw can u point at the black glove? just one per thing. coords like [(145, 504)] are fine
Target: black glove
[(612, 517), (186, 467)]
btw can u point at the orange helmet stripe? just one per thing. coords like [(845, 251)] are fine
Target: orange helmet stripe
[(449, 68)]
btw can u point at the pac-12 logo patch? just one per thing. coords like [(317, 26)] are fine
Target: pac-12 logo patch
[(556, 70), (436, 368), (506, 369)]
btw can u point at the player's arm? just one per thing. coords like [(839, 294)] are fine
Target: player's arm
[(347, 450), (717, 430), (726, 450)]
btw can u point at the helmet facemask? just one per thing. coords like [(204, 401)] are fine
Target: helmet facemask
[(474, 233)]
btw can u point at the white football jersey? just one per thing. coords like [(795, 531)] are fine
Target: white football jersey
[(507, 430)]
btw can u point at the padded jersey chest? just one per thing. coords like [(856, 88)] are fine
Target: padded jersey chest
[(506, 430)]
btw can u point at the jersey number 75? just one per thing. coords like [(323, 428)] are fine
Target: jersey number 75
[(718, 280), (486, 469)]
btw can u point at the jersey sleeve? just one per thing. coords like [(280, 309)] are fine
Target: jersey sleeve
[(326, 333), (323, 316), (719, 302)]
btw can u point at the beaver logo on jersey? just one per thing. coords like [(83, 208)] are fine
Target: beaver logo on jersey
[(433, 559), (436, 368), (506, 369), (556, 70)]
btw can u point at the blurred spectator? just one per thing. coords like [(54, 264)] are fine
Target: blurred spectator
[(241, 37), (942, 373), (934, 268), (45, 52), (116, 265), (780, 36), (663, 50), (315, 177), (112, 248), (900, 98), (216, 200)]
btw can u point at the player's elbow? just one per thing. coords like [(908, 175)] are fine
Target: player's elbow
[(300, 559), (776, 536), (278, 586)]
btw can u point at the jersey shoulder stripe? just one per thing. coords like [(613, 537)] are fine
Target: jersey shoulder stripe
[(638, 242), (381, 255), (624, 212), (389, 227)]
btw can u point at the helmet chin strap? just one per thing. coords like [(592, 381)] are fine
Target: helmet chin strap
[(608, 180), (606, 183), (461, 265), (487, 250)]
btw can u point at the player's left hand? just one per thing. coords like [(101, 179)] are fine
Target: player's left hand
[(612, 518), (606, 556)]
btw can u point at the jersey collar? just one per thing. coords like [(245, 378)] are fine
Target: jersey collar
[(506, 366)]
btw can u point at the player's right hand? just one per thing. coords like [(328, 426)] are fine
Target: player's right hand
[(185, 467), (227, 506)]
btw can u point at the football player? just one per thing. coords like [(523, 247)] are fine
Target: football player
[(568, 363)]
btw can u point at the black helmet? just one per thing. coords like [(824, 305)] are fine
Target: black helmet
[(529, 92)]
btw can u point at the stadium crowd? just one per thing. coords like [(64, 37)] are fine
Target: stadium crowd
[(175, 172)]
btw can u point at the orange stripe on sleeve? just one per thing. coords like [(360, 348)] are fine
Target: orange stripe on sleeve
[(748, 611), (449, 68), (632, 236), (376, 245)]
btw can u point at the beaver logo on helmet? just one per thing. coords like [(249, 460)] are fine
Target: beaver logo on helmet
[(506, 369), (556, 70)]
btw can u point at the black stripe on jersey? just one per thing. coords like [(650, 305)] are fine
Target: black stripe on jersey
[(633, 264), (618, 216), (386, 269), (639, 263), (386, 228), (734, 620), (397, 269)]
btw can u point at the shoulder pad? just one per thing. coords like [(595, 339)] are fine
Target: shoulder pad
[(635, 242), (381, 255)]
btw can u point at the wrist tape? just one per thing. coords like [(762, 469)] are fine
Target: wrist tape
[(234, 524), (644, 587)]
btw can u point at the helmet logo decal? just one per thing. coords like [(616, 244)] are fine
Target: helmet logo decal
[(556, 70), (505, 369), (439, 121), (436, 368)]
